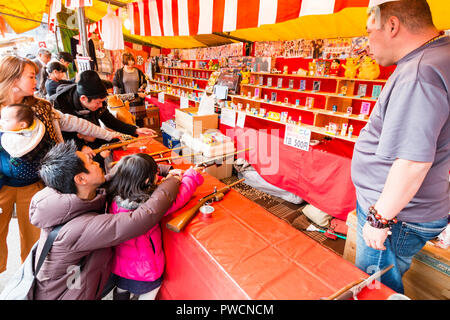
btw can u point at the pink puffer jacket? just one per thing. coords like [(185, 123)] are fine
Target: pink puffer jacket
[(142, 258)]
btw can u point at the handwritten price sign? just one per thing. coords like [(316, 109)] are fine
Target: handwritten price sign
[(297, 137)]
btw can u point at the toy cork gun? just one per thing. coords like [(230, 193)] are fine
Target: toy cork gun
[(170, 159), (110, 146), (160, 153), (179, 222), (353, 289), (204, 164), (213, 161)]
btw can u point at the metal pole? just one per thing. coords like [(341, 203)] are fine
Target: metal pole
[(83, 33), (56, 38)]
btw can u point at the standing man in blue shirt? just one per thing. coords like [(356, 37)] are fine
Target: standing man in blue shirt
[(401, 161)]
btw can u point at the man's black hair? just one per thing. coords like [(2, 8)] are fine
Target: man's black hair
[(59, 167), (66, 56)]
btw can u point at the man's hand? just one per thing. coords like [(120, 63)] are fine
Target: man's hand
[(141, 95), (105, 154), (375, 237), (145, 131), (88, 150)]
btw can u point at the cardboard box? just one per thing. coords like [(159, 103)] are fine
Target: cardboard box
[(223, 168), (429, 275), (152, 118), (189, 122)]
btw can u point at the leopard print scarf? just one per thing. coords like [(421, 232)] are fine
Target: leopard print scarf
[(43, 111)]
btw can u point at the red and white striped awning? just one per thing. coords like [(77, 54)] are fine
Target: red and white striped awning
[(193, 17), (72, 4)]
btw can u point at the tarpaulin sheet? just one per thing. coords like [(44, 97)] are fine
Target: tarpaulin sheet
[(245, 252), (320, 176)]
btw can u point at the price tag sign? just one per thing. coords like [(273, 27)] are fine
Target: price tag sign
[(297, 137), (83, 63), (184, 103), (240, 120), (228, 117), (161, 97)]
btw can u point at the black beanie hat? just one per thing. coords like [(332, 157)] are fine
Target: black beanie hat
[(90, 85)]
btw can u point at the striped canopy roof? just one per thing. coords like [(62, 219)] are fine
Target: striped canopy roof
[(200, 23)]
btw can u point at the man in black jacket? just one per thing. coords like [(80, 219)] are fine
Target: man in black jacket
[(86, 99)]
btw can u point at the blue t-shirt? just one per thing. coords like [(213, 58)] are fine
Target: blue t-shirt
[(410, 121)]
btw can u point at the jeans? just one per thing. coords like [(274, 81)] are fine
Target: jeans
[(406, 240)]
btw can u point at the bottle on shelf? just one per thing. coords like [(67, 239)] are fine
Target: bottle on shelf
[(350, 131)]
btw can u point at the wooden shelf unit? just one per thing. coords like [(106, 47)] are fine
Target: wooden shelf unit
[(289, 98), (314, 129)]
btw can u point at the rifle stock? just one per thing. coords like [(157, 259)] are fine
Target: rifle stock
[(110, 146), (180, 221)]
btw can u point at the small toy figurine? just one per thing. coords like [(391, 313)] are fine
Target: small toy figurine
[(210, 64), (302, 72), (245, 77), (351, 67), (285, 70), (312, 68), (369, 69), (343, 91), (334, 68)]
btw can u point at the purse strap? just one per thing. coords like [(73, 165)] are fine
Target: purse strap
[(48, 244)]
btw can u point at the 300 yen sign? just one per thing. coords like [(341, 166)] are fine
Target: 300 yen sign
[(297, 137)]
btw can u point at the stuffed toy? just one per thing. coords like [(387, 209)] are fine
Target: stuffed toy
[(245, 77), (121, 110), (312, 68), (369, 69), (351, 67), (334, 68)]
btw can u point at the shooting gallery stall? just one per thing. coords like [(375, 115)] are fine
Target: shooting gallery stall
[(242, 251)]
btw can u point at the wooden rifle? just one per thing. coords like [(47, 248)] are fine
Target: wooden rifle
[(353, 289), (160, 153), (203, 164), (213, 161), (169, 159), (115, 145), (180, 221)]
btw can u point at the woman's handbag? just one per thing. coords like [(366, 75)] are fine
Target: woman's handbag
[(21, 285)]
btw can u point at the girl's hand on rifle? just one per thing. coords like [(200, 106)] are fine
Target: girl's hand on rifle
[(176, 172), (199, 169)]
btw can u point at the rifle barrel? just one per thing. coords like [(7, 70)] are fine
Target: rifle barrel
[(177, 157), (120, 144)]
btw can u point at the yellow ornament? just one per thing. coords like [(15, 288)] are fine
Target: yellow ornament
[(369, 69), (312, 68), (351, 67), (245, 77)]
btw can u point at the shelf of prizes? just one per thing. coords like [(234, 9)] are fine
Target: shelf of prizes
[(302, 126), (204, 260)]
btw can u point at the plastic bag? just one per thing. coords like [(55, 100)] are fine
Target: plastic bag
[(206, 105)]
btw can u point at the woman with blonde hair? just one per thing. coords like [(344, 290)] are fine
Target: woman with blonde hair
[(19, 178)]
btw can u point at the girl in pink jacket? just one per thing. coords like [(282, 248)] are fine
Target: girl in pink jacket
[(138, 263)]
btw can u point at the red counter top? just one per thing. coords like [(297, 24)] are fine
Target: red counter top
[(245, 252)]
